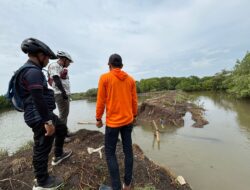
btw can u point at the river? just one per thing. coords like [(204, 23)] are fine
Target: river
[(215, 157)]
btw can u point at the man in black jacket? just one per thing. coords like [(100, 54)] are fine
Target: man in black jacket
[(39, 104)]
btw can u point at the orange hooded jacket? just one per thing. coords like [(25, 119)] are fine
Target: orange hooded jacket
[(116, 93)]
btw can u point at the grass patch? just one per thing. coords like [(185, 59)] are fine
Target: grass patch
[(26, 146), (147, 187), (180, 97), (3, 153)]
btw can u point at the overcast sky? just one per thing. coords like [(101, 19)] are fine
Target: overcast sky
[(154, 37)]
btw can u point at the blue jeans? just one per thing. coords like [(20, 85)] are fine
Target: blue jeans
[(111, 138)]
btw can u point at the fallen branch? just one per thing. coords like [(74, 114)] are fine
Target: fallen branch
[(86, 122), (157, 134)]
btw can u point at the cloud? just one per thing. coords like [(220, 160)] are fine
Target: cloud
[(163, 38), (202, 64)]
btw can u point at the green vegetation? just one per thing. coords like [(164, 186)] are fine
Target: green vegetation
[(91, 93), (192, 83), (3, 153), (239, 80), (235, 82), (78, 96), (149, 187), (4, 103), (26, 146)]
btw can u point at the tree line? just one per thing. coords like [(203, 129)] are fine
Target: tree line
[(235, 82)]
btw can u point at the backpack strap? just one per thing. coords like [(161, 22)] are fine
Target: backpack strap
[(12, 87)]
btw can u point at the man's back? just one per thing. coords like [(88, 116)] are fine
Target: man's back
[(117, 90)]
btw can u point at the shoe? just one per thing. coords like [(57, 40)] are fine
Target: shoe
[(52, 183), (67, 140), (70, 134), (104, 187), (57, 160), (126, 187)]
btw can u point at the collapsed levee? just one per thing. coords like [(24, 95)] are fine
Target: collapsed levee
[(169, 108)]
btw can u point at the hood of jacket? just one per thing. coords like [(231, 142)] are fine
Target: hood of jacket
[(119, 74)]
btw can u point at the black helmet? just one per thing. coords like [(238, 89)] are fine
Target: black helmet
[(32, 45)]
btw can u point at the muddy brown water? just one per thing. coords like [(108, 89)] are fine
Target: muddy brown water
[(216, 157)]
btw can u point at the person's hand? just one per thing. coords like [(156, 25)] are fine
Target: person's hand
[(65, 96), (50, 129), (99, 124)]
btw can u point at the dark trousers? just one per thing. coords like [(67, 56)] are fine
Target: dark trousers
[(111, 138), (42, 147)]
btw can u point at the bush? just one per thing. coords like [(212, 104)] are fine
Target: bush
[(4, 103), (3, 153)]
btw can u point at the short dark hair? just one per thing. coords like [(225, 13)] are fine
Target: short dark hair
[(115, 60)]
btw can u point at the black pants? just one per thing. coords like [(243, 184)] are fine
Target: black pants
[(43, 145), (111, 138)]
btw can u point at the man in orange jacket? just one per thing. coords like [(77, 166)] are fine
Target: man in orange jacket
[(117, 93)]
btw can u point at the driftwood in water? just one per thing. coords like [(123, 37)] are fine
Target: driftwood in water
[(86, 122), (157, 133)]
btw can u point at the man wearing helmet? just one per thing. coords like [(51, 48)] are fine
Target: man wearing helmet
[(59, 80), (39, 104)]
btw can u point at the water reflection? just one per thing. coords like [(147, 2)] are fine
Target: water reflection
[(157, 135), (213, 157), (210, 158), (240, 107)]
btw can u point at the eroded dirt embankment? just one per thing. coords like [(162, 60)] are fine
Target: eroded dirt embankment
[(168, 109)]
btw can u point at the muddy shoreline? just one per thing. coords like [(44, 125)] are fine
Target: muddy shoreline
[(86, 171)]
